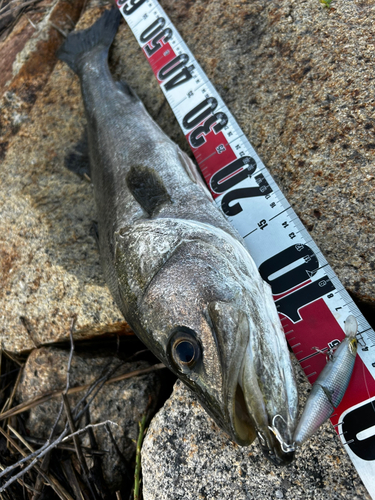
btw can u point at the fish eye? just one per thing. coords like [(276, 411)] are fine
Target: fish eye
[(185, 350)]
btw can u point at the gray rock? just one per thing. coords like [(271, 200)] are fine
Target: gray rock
[(185, 456), (123, 402), (49, 260)]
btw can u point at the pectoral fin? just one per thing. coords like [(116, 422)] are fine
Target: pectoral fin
[(77, 159), (148, 189)]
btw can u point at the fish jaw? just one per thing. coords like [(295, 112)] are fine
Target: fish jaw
[(261, 396), (249, 409), (270, 395), (229, 323)]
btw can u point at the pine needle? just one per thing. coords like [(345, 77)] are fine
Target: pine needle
[(137, 472), (73, 390)]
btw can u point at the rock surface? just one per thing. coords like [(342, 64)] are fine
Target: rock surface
[(185, 456), (123, 402), (28, 55), (49, 260)]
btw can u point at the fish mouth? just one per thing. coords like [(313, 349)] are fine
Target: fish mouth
[(250, 417), (260, 397), (245, 430)]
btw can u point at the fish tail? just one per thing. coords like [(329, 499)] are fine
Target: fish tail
[(99, 36)]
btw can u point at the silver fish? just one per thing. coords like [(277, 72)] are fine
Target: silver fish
[(178, 271), (329, 388)]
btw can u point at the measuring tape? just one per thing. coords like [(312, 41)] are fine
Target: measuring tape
[(311, 301)]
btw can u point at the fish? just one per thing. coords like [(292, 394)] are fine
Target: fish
[(330, 386), (178, 271)]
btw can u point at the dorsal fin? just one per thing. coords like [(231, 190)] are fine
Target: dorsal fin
[(148, 189)]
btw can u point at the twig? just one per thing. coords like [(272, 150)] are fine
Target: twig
[(12, 2), (59, 30), (71, 475), (88, 426), (12, 358), (52, 481), (46, 459), (20, 481), (137, 472), (70, 19), (2, 9), (68, 370), (61, 492), (47, 447), (127, 475), (3, 408), (77, 446), (136, 354), (41, 453), (67, 447), (95, 472), (30, 21), (73, 390), (92, 391), (8, 373), (10, 400), (117, 449), (18, 8), (38, 453)]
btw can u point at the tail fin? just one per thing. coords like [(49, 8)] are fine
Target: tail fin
[(100, 34)]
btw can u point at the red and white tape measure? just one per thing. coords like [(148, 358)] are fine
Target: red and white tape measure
[(311, 301)]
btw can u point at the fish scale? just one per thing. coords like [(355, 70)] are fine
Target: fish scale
[(312, 302)]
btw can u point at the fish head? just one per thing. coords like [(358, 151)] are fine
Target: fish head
[(208, 315)]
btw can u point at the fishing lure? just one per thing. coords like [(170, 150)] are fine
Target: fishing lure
[(329, 388)]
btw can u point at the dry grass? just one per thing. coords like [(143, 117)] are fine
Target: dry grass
[(58, 467)]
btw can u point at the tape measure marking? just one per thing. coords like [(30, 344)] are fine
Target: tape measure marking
[(311, 301)]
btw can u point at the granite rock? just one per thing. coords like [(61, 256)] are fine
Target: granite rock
[(185, 456), (123, 402), (48, 256), (28, 47)]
